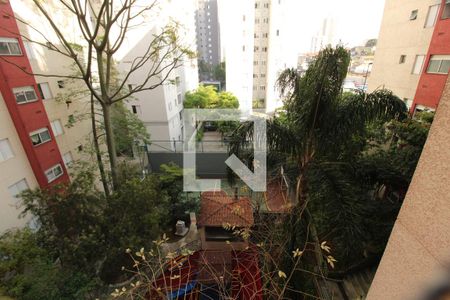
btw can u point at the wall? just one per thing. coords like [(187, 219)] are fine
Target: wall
[(430, 87), (418, 249)]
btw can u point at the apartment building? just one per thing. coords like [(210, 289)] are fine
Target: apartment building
[(208, 38), (413, 51), (256, 51), (36, 146), (160, 109)]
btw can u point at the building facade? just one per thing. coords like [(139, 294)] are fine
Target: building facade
[(254, 53), (36, 146), (413, 41), (160, 109), (208, 38)]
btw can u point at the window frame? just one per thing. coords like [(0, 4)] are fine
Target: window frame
[(52, 169), (18, 189), (57, 132), (421, 65), (9, 153), (438, 6), (414, 14), (24, 90), (67, 163), (41, 91), (8, 41), (442, 58), (446, 10), (39, 132)]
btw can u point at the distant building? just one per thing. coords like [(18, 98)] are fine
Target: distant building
[(413, 52), (325, 36), (208, 38)]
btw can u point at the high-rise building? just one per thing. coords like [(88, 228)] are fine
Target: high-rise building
[(413, 52), (208, 38), (36, 146), (254, 52), (324, 37)]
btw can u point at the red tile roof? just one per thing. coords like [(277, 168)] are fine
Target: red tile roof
[(217, 209)]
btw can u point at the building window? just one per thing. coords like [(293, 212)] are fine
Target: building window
[(262, 88), (130, 88), (413, 15), (255, 63), (446, 12), (9, 46), (432, 15), (255, 76), (265, 35), (25, 94), (57, 127), (439, 64), (18, 188), (266, 20), (264, 49), (418, 64), (278, 32), (53, 173), (68, 159), (256, 5), (263, 62), (256, 21), (262, 75), (134, 109), (243, 48), (243, 18), (61, 84), (402, 59), (40, 136), (256, 48), (44, 90), (266, 5), (5, 150), (29, 50)]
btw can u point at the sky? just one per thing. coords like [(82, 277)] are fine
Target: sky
[(355, 20)]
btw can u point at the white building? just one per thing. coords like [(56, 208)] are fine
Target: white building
[(255, 50), (160, 108), (325, 36)]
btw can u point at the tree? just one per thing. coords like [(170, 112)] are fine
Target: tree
[(104, 26), (312, 139), (128, 130), (202, 97), (220, 74)]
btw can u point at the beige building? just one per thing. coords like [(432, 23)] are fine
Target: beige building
[(16, 172), (416, 261), (403, 42)]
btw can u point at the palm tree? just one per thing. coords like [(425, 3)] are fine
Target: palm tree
[(315, 134)]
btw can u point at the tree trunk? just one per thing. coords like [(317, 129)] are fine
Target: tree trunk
[(110, 143), (98, 153)]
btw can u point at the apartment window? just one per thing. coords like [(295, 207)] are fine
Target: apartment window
[(262, 75), (256, 21), (9, 46), (25, 94), (446, 12), (256, 5), (413, 15), (265, 35), (134, 109), (53, 173), (264, 49), (266, 20), (40, 136), (255, 63), (266, 5), (256, 48), (61, 84), (18, 187), (243, 18), (439, 64), (262, 88), (432, 15), (263, 62), (29, 50), (243, 48), (5, 150), (44, 90), (255, 36), (278, 32), (402, 59), (57, 127), (130, 88), (418, 64), (68, 159), (255, 75)]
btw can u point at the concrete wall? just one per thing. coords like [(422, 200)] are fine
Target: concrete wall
[(417, 253)]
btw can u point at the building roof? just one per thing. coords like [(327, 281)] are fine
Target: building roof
[(217, 209)]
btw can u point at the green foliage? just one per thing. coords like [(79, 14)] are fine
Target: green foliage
[(219, 73), (128, 130), (207, 97)]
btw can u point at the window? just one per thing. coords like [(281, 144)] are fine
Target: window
[(439, 64), (44, 90), (256, 21), (57, 127), (243, 18), (264, 49), (446, 12), (29, 50), (5, 150), (418, 63), (255, 63), (61, 84), (53, 173), (413, 15), (9, 46), (262, 88), (255, 75), (256, 5), (134, 109), (179, 98), (278, 32), (256, 48), (40, 136), (68, 159), (265, 35), (130, 88), (25, 94), (262, 75), (18, 187), (243, 48), (266, 5), (266, 20), (402, 59), (432, 15)]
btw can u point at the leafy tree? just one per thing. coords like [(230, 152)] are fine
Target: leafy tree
[(219, 73), (128, 130), (202, 97)]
